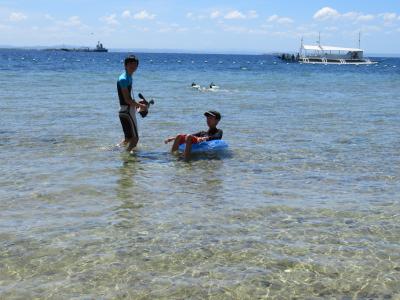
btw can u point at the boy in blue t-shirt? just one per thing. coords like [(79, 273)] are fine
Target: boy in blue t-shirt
[(128, 105)]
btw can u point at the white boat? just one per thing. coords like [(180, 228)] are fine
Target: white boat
[(320, 54)]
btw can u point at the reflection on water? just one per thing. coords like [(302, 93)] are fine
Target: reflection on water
[(130, 167)]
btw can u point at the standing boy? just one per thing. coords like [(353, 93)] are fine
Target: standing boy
[(128, 105)]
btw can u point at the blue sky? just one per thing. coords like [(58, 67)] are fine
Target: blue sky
[(219, 25)]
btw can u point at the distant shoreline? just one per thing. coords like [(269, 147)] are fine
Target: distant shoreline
[(179, 51)]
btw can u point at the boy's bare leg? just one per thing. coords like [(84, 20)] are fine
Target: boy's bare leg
[(188, 147), (132, 144), (175, 146)]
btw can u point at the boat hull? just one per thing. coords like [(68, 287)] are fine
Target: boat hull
[(336, 61)]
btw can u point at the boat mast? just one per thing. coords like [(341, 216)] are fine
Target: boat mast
[(359, 40), (301, 46)]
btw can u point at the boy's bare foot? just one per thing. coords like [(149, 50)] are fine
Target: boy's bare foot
[(122, 143)]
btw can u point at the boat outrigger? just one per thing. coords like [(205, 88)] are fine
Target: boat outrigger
[(319, 54)]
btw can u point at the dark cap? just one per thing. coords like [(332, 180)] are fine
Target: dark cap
[(131, 58), (213, 113)]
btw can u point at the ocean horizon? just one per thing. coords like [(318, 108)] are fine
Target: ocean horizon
[(185, 51)]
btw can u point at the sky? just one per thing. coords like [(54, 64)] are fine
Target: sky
[(258, 26)]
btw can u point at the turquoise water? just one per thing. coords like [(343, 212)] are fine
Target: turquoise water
[(304, 204)]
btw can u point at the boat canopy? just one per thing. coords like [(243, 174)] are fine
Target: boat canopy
[(329, 48)]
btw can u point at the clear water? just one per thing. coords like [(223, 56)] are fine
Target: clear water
[(305, 204)]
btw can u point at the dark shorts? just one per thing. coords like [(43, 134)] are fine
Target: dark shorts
[(128, 122)]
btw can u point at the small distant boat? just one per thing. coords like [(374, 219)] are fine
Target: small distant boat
[(320, 54), (99, 48)]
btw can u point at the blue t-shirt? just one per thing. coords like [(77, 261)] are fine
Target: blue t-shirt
[(124, 81)]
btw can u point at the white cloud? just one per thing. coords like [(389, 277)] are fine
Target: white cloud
[(357, 16), (331, 28), (351, 15), (369, 28), (193, 16), (48, 17), (126, 14), (72, 22), (326, 13), (218, 15), (215, 14), (280, 20), (236, 29), (258, 31), (2, 26), (144, 15), (365, 18), (17, 17), (139, 28), (234, 14), (389, 18), (252, 14), (110, 20), (174, 27)]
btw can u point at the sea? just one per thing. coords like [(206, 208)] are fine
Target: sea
[(304, 203)]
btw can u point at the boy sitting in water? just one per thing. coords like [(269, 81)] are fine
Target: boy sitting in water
[(213, 133)]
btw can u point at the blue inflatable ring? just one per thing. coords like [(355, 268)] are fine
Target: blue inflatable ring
[(214, 145)]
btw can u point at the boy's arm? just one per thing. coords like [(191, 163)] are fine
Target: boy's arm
[(198, 134), (166, 141), (128, 98)]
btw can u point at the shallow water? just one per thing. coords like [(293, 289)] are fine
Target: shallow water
[(304, 204)]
